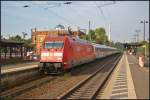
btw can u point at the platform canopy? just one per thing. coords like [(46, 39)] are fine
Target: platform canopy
[(5, 43), (132, 44), (8, 46)]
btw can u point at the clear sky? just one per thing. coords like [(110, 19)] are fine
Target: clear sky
[(123, 16)]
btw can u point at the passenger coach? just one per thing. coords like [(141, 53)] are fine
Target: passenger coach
[(103, 50), (61, 53)]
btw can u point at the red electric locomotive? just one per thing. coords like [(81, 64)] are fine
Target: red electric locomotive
[(61, 53)]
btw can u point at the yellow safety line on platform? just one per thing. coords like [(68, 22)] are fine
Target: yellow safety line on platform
[(130, 86), (131, 89), (17, 69)]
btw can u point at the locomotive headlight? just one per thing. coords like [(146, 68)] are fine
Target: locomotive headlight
[(45, 54), (58, 54)]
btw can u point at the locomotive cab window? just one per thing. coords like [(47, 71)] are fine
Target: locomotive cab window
[(55, 44)]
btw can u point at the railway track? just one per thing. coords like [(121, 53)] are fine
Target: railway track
[(25, 87), (36, 83), (90, 87)]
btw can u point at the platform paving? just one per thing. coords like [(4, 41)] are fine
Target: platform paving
[(128, 81), (120, 85), (140, 77), (18, 67)]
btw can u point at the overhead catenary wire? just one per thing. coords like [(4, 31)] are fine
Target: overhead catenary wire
[(63, 18), (100, 9), (54, 13), (50, 5), (106, 20), (75, 11)]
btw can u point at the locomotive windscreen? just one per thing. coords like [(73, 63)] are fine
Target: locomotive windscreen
[(56, 44)]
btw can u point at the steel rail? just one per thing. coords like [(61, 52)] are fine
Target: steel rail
[(27, 86), (107, 77), (68, 93)]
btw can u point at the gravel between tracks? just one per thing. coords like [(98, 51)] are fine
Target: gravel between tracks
[(61, 84)]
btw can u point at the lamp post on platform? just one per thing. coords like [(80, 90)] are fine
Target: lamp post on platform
[(137, 38), (144, 21)]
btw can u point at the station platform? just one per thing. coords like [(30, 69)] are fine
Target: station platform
[(128, 81), (140, 77), (18, 67)]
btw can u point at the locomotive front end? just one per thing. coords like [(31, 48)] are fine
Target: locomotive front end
[(52, 56)]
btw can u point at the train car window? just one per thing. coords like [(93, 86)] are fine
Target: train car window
[(55, 44)]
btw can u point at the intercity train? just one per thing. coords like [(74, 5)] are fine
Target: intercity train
[(61, 53)]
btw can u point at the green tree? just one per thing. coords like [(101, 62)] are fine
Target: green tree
[(100, 35), (91, 35), (16, 38), (27, 42), (82, 37), (119, 46), (111, 43)]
